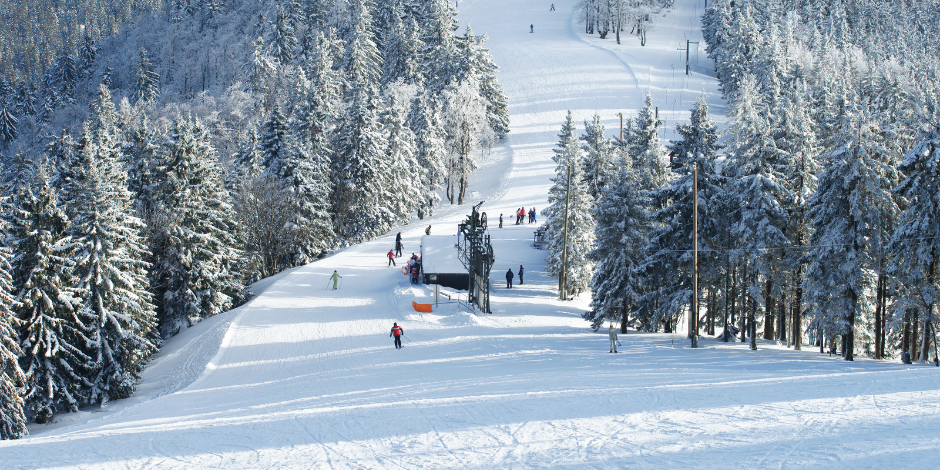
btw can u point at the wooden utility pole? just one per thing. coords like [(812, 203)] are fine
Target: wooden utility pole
[(693, 310), (563, 278)]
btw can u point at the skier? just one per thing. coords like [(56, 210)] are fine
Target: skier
[(500, 220), (531, 28), (398, 245), (427, 231), (335, 278), (612, 332), (533, 216), (391, 258), (520, 274), (509, 279), (553, 7), (397, 331)]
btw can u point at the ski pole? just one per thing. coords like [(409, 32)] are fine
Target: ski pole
[(403, 336)]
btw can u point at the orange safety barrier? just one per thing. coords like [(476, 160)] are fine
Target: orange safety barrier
[(426, 308)]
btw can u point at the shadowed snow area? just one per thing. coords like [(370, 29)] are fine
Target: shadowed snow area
[(307, 377)]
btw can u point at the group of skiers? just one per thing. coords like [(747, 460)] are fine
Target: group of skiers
[(520, 216)]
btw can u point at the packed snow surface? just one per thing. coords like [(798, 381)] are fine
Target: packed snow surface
[(306, 377)]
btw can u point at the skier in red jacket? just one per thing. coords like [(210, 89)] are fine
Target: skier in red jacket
[(397, 331)]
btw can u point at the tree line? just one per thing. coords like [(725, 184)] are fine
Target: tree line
[(132, 209), (818, 212)]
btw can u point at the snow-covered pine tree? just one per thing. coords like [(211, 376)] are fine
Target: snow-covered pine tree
[(916, 241), (668, 266), (406, 175), (757, 189), (283, 41), (622, 225), (644, 148), (598, 157), (438, 25), (196, 275), (109, 263), (8, 130), (274, 142), (851, 205), (141, 160), (360, 170), (51, 337), (259, 70), (12, 379), (87, 53), (476, 62), (402, 53), (147, 83), (362, 62), (430, 149), (570, 232)]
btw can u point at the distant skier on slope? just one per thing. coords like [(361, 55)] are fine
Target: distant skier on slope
[(612, 333), (335, 278), (531, 28), (509, 279), (397, 331), (520, 274), (391, 258), (398, 245), (552, 8)]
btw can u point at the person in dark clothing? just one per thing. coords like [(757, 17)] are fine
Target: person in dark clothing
[(531, 28), (397, 331), (427, 231), (500, 220), (509, 279), (520, 274), (398, 245), (391, 258)]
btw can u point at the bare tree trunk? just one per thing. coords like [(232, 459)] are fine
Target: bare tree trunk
[(879, 315), (782, 320), (768, 311), (905, 338), (912, 342)]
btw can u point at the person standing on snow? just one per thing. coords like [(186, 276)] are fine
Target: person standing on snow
[(552, 8), (398, 245), (391, 258), (533, 216), (500, 220), (531, 28), (509, 279), (520, 274), (335, 278), (397, 331), (427, 231), (612, 333)]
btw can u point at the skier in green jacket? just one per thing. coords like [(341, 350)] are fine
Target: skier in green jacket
[(335, 278)]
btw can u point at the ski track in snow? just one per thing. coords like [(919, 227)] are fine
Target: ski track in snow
[(306, 377)]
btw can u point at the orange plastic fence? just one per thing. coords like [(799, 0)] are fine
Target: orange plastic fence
[(426, 308)]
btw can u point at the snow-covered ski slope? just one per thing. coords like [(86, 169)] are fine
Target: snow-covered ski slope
[(306, 377)]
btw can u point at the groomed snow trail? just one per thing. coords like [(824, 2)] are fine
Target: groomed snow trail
[(306, 377)]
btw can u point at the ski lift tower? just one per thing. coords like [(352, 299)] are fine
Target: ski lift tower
[(476, 254)]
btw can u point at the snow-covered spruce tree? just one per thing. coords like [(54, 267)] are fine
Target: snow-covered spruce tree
[(438, 25), (196, 275), (401, 51), (274, 142), (916, 241), (476, 62), (283, 41), (465, 124), (147, 82), (259, 70), (622, 226), (8, 130), (12, 379), (570, 232), (141, 154), (645, 149), (362, 62), (360, 170), (51, 335), (87, 53), (796, 138), (668, 265), (406, 176), (598, 157), (848, 211), (430, 149), (308, 170), (757, 189), (110, 263)]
